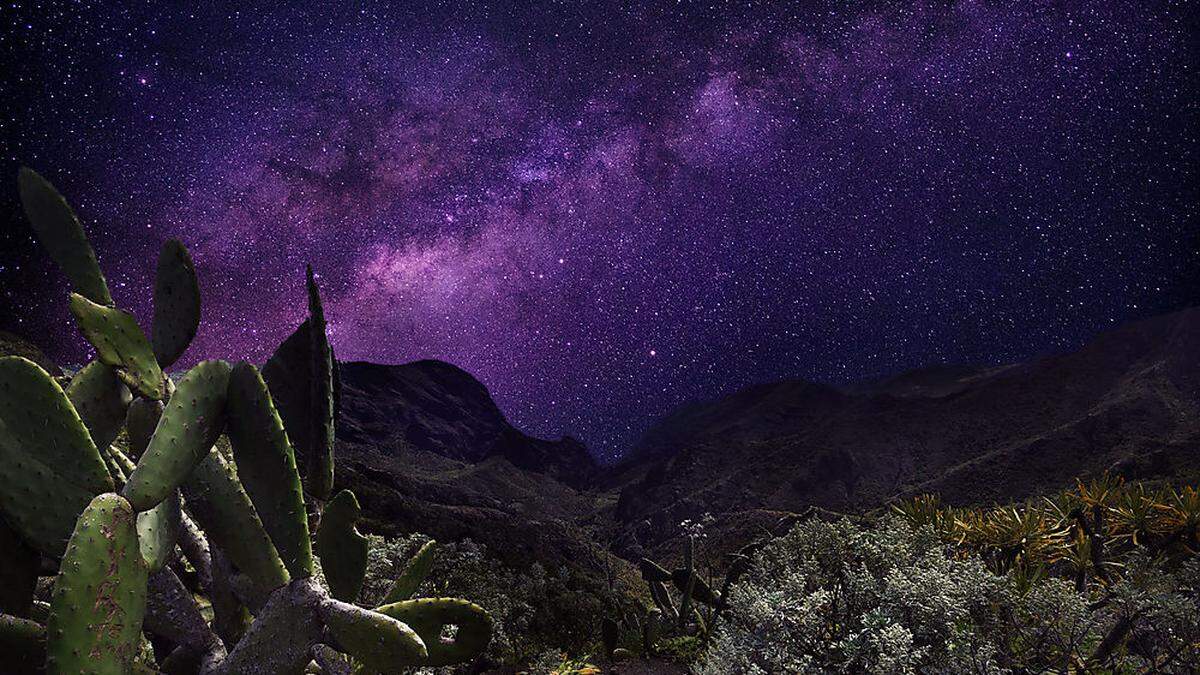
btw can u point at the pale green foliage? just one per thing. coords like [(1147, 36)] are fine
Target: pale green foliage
[(386, 559), (888, 598)]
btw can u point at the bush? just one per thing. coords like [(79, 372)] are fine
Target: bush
[(534, 610), (891, 598)]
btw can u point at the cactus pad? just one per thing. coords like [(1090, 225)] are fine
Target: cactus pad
[(115, 468), (377, 640), (99, 596), (342, 549), (49, 467), (60, 233), (190, 424), (700, 588), (158, 530), (120, 343), (287, 374), (267, 467), (140, 421), (652, 571), (320, 466), (223, 509), (23, 644), (176, 303), (101, 400), (428, 616), (414, 573)]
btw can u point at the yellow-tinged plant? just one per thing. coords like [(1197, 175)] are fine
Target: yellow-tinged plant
[(1081, 533)]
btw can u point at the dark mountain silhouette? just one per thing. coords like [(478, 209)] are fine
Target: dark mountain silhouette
[(1127, 402), (15, 345), (425, 448), (435, 407)]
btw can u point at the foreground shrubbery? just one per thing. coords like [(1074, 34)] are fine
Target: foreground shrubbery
[(537, 612), (1100, 579)]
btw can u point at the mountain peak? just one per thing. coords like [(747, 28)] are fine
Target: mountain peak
[(438, 407)]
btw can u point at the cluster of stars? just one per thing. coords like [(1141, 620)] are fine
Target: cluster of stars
[(603, 214)]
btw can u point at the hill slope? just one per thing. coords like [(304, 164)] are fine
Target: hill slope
[(1129, 401)]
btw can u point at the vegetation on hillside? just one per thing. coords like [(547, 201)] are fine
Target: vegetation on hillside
[(1103, 578)]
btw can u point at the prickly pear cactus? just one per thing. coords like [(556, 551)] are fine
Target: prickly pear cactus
[(374, 638), (415, 571), (176, 303), (267, 467), (120, 343), (429, 616), (225, 511), (99, 596), (320, 470), (140, 421), (19, 567), (101, 399), (191, 423), (241, 525), (23, 644), (49, 467), (343, 550), (59, 231)]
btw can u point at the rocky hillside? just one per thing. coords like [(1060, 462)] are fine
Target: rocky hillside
[(432, 406), (426, 450), (1129, 402)]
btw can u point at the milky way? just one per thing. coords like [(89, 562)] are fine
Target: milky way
[(603, 214)]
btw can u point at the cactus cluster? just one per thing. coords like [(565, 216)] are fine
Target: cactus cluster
[(133, 538)]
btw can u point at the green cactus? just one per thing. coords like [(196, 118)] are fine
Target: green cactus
[(191, 423), (60, 233), (120, 343), (176, 303), (101, 400), (158, 531), (320, 469), (99, 595), (429, 616), (140, 421), (49, 467), (415, 571), (652, 571), (373, 638), (23, 644), (288, 374), (250, 552), (298, 375), (343, 550), (700, 590), (267, 467), (224, 510), (115, 469)]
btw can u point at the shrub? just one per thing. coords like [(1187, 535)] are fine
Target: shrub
[(892, 598)]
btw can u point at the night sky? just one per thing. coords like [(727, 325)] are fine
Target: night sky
[(604, 213)]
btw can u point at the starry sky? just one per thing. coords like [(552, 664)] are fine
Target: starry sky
[(601, 212)]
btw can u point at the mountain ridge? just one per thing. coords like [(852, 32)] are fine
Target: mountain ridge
[(1128, 401)]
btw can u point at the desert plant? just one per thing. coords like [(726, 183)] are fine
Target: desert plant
[(114, 524), (1081, 534), (887, 597)]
